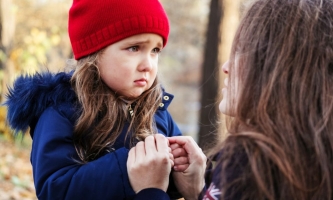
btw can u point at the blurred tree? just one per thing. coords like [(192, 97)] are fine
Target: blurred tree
[(7, 29), (2, 48), (181, 61), (33, 35), (42, 41), (209, 83)]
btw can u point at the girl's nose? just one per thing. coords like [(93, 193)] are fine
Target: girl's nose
[(225, 67), (146, 64)]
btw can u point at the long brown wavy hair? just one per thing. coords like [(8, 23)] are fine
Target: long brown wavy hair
[(103, 114), (280, 139)]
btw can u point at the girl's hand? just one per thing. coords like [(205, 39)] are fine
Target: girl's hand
[(189, 182), (149, 164), (180, 157)]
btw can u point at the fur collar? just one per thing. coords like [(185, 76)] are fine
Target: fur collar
[(32, 94)]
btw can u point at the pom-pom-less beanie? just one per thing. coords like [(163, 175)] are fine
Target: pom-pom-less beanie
[(93, 25)]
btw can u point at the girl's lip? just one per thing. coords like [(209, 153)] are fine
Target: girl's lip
[(140, 82)]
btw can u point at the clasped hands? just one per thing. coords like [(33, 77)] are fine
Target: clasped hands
[(151, 161)]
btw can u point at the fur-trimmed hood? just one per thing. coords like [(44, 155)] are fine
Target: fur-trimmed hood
[(32, 94)]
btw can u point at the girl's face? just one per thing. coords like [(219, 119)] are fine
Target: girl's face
[(231, 90), (129, 66)]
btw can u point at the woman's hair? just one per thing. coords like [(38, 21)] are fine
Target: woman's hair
[(103, 113), (280, 141)]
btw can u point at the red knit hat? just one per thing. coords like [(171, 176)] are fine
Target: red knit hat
[(93, 25)]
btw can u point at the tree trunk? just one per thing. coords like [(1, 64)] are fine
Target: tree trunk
[(2, 48), (208, 131), (7, 30)]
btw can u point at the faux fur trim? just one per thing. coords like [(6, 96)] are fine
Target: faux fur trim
[(31, 95)]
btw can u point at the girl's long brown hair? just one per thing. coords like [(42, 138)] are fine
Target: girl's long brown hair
[(103, 114), (280, 140)]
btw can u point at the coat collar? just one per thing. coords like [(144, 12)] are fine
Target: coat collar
[(32, 94)]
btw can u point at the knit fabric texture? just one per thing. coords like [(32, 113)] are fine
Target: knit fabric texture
[(93, 25)]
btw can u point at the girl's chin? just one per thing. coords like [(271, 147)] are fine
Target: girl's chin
[(133, 95)]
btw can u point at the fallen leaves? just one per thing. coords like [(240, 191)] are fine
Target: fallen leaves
[(16, 181)]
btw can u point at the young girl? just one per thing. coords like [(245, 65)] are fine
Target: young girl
[(84, 122), (280, 97)]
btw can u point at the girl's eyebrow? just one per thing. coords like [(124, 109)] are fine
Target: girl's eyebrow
[(138, 42)]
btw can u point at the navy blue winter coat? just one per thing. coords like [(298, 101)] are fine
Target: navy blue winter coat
[(46, 103)]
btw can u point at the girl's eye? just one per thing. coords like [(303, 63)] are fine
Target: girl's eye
[(133, 49), (156, 50)]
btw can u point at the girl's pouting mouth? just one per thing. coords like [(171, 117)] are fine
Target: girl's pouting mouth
[(141, 82)]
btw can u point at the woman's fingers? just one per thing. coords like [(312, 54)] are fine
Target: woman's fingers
[(191, 179), (140, 152), (163, 149), (149, 163), (131, 157), (162, 143), (150, 148)]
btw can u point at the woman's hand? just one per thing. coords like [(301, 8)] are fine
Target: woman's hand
[(190, 181), (149, 163)]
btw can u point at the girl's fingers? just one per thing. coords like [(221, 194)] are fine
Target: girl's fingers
[(186, 142), (180, 168), (174, 146), (179, 152), (181, 160)]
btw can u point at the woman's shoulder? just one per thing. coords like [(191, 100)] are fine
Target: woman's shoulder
[(227, 168)]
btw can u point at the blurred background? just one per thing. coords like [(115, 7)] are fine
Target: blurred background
[(33, 37)]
